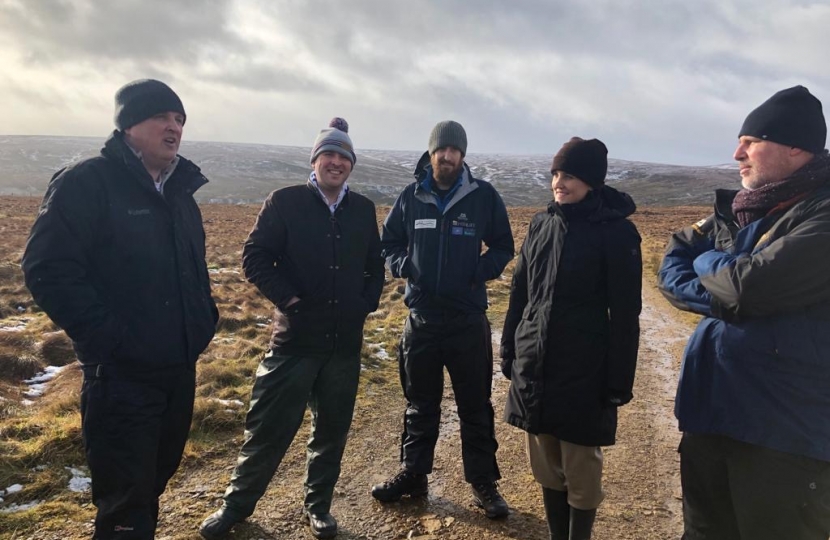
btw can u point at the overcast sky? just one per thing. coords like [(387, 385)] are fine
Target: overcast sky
[(657, 80)]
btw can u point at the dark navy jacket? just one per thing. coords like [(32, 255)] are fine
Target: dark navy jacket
[(439, 250), (757, 368)]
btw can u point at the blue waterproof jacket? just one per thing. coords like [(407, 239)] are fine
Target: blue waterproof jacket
[(757, 368), (436, 244)]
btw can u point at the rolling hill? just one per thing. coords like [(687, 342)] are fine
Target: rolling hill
[(246, 173)]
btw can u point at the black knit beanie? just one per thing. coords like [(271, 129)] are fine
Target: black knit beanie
[(791, 117), (137, 101), (448, 133), (586, 160)]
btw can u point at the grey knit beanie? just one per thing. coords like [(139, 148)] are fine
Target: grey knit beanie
[(137, 101), (335, 138), (448, 133)]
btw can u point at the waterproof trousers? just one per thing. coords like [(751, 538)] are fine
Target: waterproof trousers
[(738, 491), (284, 385), (135, 425), (461, 342)]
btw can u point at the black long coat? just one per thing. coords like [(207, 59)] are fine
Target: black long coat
[(573, 321)]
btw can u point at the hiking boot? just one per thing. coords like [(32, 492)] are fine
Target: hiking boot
[(486, 496), (403, 483), (322, 525), (219, 524)]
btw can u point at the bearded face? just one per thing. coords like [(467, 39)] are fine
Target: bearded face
[(446, 165)]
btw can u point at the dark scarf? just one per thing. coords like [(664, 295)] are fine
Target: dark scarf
[(752, 205)]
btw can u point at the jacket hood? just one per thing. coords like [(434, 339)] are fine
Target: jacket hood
[(423, 164)]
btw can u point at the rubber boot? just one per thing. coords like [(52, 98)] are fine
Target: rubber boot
[(582, 523), (557, 512)]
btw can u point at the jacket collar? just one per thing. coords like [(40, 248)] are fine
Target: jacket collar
[(187, 175)]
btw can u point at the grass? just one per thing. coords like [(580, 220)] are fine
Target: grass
[(37, 442)]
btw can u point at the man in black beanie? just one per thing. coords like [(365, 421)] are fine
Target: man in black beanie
[(433, 237), (753, 401), (116, 258)]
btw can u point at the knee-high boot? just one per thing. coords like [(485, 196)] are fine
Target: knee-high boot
[(582, 523), (557, 512)]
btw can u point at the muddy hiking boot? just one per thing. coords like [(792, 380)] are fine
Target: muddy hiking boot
[(403, 483), (217, 525), (486, 495)]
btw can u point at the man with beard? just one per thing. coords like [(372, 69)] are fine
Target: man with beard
[(433, 237), (116, 258), (315, 253), (753, 401)]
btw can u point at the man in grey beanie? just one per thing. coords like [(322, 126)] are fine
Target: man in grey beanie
[(116, 258), (433, 238), (315, 253)]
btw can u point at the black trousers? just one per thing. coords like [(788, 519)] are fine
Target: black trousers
[(135, 425), (738, 491), (461, 342)]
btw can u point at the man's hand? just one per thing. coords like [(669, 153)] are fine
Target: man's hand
[(507, 367), (617, 398)]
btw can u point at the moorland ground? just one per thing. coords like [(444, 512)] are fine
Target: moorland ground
[(40, 436)]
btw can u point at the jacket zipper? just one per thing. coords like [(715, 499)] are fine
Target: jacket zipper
[(441, 234)]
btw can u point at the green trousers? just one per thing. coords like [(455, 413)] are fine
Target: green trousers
[(283, 387)]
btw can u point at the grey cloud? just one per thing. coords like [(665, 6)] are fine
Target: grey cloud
[(142, 31)]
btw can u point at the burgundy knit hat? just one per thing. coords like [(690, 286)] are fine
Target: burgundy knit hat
[(584, 159)]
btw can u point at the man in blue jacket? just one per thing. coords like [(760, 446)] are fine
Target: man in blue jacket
[(116, 258), (433, 237), (753, 399)]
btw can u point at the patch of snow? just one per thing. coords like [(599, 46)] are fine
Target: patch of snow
[(18, 328), (37, 384), (27, 402), (228, 402), (15, 324), (35, 390), (14, 488), (19, 507), (49, 373), (79, 482), (379, 353), (223, 271)]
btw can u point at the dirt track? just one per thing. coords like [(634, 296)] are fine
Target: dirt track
[(641, 478)]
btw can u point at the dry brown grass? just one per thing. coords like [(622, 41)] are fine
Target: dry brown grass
[(47, 436)]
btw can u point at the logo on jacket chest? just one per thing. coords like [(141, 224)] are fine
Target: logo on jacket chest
[(460, 226)]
